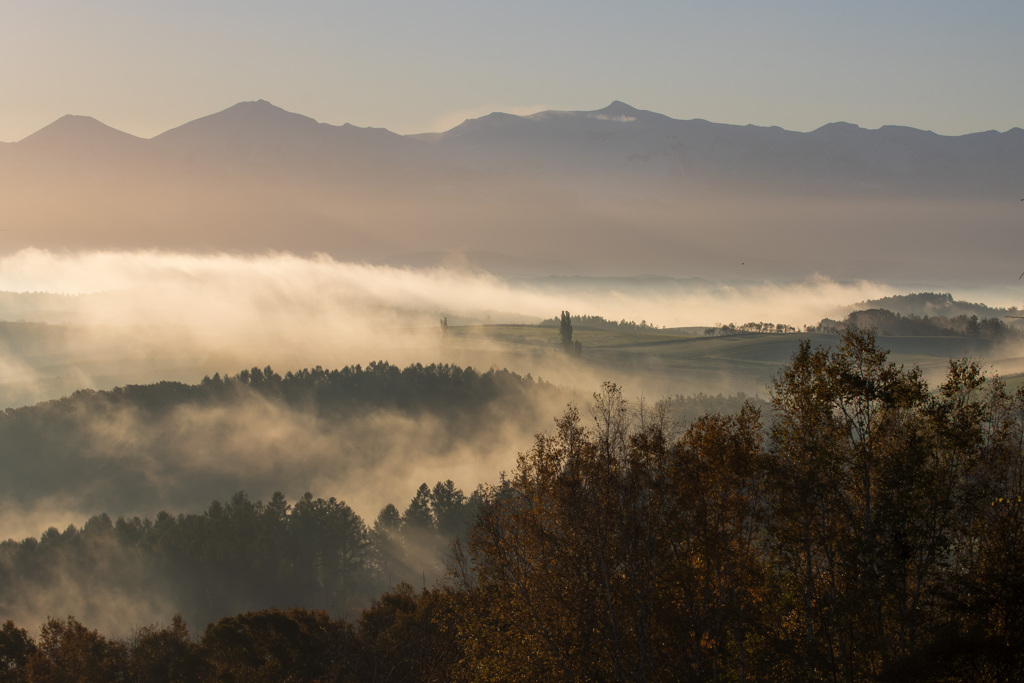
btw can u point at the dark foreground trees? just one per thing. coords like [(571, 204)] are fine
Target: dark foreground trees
[(613, 554), (871, 530), (238, 556), (875, 534)]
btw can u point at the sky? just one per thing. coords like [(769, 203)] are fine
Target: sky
[(144, 66)]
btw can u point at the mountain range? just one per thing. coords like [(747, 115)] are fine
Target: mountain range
[(618, 190)]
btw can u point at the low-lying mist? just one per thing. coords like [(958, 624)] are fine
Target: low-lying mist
[(76, 325), (225, 293), (368, 437), (102, 319), (364, 436)]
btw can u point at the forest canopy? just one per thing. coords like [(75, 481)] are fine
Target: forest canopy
[(873, 531), (864, 526), (140, 449)]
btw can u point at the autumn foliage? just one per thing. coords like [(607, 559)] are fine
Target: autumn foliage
[(867, 528), (871, 530)]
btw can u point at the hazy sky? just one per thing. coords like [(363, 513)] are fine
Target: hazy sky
[(145, 66)]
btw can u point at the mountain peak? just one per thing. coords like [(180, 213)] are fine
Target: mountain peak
[(254, 119), (618, 107), (620, 111), (838, 128), (75, 130), (255, 106), (259, 112)]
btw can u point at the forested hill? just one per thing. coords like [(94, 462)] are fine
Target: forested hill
[(927, 304), (462, 392), (346, 447), (368, 434), (235, 556), (887, 323)]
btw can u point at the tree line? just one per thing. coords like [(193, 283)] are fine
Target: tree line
[(138, 449), (597, 322), (353, 388), (242, 555), (885, 322), (397, 638), (748, 328)]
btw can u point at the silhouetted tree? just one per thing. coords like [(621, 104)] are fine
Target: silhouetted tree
[(565, 331), (405, 636), (165, 654), (68, 651), (418, 515), (387, 546), (274, 645), (447, 504), (16, 647)]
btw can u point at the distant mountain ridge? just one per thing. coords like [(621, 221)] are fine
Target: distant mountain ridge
[(617, 190), (589, 142)]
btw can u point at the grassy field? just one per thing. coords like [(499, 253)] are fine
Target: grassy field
[(672, 363), (42, 361)]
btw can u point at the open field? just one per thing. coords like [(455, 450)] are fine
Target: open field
[(43, 361), (669, 364)]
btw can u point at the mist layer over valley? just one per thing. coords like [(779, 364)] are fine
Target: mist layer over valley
[(98, 320), (103, 319)]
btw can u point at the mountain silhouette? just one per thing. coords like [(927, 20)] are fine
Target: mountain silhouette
[(613, 189)]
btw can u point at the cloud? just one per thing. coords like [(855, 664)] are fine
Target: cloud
[(117, 317), (136, 317), (621, 118), (222, 292), (144, 316)]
